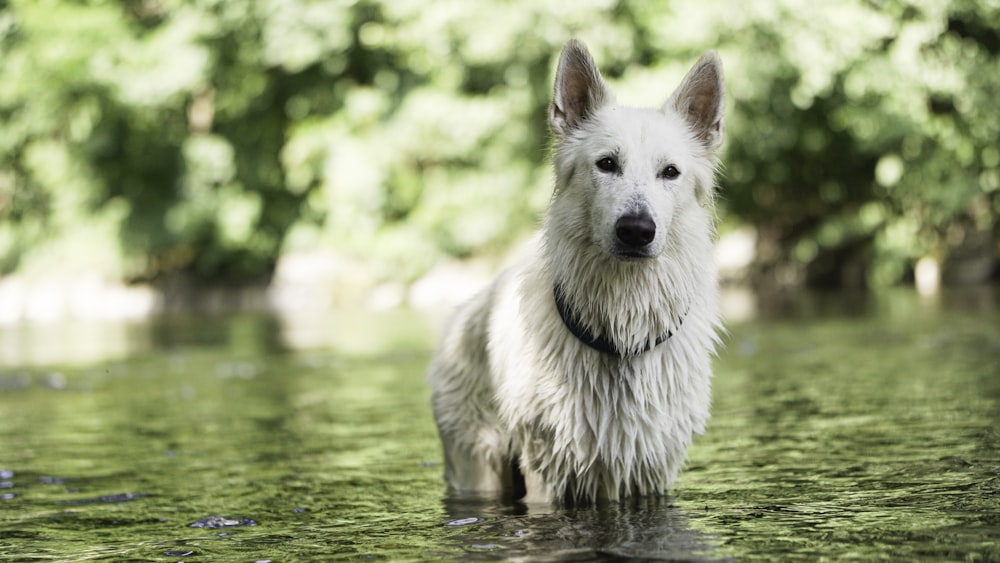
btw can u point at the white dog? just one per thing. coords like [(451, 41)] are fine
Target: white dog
[(584, 370)]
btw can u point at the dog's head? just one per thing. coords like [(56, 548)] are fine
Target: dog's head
[(625, 174)]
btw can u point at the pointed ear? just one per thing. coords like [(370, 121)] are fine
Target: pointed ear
[(579, 89), (701, 98)]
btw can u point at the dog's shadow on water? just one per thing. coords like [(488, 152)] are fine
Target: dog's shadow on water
[(654, 529)]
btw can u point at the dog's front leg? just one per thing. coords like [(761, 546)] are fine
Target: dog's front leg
[(472, 469), (537, 489)]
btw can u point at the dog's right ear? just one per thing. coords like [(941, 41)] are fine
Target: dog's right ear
[(579, 89)]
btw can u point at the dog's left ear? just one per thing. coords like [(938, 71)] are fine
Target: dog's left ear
[(701, 98)]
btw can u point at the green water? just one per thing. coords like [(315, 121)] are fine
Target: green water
[(844, 427)]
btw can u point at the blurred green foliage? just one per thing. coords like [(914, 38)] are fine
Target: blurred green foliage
[(144, 138)]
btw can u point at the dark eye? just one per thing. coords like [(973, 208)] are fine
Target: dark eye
[(670, 172), (608, 164)]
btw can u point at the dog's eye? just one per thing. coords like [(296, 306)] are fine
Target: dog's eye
[(608, 164), (670, 172)]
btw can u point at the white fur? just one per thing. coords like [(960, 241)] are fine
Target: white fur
[(511, 382)]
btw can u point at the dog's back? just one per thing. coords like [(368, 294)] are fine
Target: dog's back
[(589, 361)]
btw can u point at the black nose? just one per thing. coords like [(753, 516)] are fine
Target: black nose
[(635, 230)]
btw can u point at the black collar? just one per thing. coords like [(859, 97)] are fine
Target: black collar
[(599, 343)]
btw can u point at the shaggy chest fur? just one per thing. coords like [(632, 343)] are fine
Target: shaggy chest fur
[(614, 438), (590, 424)]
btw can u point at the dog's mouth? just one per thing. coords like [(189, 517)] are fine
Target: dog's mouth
[(633, 254)]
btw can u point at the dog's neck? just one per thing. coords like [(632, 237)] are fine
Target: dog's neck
[(601, 343), (623, 308)]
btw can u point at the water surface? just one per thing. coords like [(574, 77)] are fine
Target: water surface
[(843, 426)]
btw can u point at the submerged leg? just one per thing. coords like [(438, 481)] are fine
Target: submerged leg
[(471, 468)]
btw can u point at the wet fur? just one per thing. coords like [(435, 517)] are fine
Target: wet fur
[(511, 384)]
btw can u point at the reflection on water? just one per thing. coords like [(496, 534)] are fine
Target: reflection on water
[(653, 529), (844, 426), (79, 341), (71, 341)]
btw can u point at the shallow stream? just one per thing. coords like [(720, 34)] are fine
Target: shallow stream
[(843, 426)]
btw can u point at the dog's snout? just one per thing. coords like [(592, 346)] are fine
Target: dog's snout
[(635, 230)]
